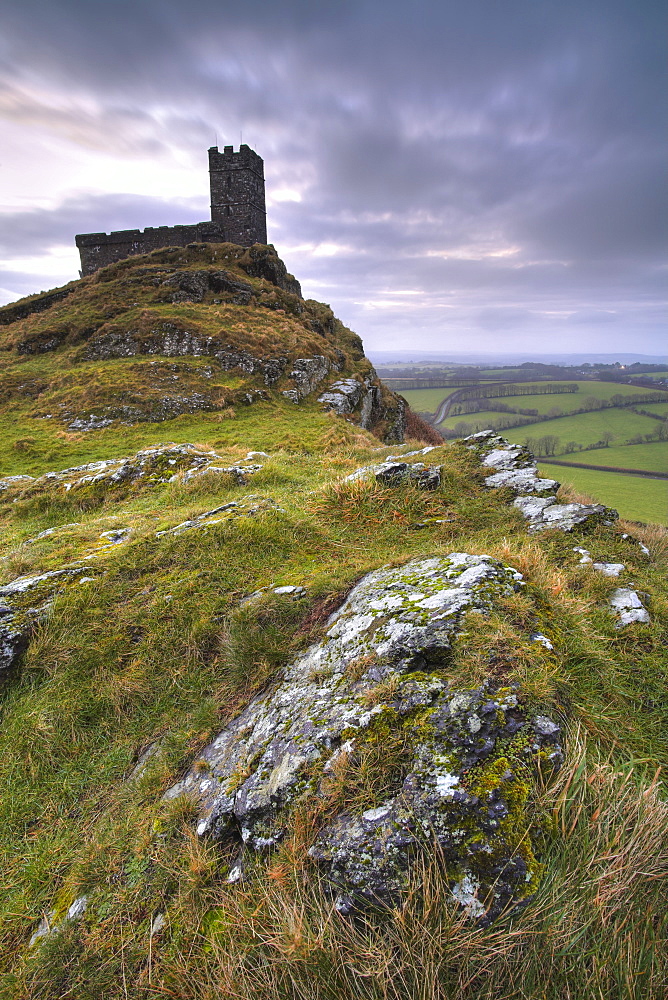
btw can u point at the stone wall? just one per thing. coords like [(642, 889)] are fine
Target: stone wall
[(237, 215), (99, 249)]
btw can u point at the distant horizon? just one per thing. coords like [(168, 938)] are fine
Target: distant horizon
[(491, 357)]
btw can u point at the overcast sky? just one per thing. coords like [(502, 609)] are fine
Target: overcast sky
[(448, 175)]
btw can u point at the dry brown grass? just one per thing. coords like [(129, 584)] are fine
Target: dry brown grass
[(597, 928)]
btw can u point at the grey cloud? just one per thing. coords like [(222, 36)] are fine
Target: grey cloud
[(34, 233), (429, 127)]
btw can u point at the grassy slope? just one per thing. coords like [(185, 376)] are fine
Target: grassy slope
[(661, 409), (635, 497), (426, 400), (482, 420), (156, 649)]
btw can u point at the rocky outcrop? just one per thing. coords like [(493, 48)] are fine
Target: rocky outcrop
[(25, 602), (35, 304), (393, 473), (226, 512), (470, 761), (149, 467), (370, 403), (263, 262), (308, 373), (172, 339), (535, 497), (192, 286)]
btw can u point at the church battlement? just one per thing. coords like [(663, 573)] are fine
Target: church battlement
[(238, 215)]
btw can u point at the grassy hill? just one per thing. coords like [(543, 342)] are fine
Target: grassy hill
[(189, 574)]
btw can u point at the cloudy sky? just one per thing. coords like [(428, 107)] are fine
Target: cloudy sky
[(449, 174)]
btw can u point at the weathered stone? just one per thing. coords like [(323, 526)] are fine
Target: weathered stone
[(227, 512), (609, 569), (473, 754), (343, 396), (52, 924), (628, 607), (308, 373), (151, 466), (517, 470), (393, 473), (25, 602), (193, 285)]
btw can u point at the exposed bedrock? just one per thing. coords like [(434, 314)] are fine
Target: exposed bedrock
[(471, 756), (25, 602), (514, 467)]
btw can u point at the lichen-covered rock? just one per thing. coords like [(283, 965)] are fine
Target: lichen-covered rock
[(25, 602), (53, 923), (473, 754), (628, 607), (151, 466), (308, 373), (226, 512), (535, 497), (192, 286), (392, 473), (466, 788), (349, 396), (343, 396)]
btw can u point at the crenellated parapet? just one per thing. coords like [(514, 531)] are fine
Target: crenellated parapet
[(238, 215)]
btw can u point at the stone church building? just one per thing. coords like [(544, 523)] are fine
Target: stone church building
[(238, 215)]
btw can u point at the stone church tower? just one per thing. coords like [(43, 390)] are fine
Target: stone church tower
[(237, 195), (238, 215)]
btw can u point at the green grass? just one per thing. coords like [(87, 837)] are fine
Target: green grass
[(264, 425), (661, 409), (652, 457), (426, 400), (635, 497), (159, 648), (588, 428), (481, 420)]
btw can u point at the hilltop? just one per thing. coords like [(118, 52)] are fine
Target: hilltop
[(299, 700)]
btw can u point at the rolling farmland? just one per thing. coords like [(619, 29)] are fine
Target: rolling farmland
[(572, 435), (635, 497)]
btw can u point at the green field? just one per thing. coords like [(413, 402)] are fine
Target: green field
[(652, 457), (428, 400), (588, 428), (480, 421), (583, 428), (635, 497), (569, 402), (425, 400), (661, 409)]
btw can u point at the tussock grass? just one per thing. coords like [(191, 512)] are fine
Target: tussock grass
[(159, 651), (597, 927)]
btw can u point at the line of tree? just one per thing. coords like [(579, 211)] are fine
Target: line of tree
[(501, 389), (589, 404)]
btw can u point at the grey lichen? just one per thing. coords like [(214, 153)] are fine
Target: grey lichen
[(379, 670), (535, 497), (25, 602)]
